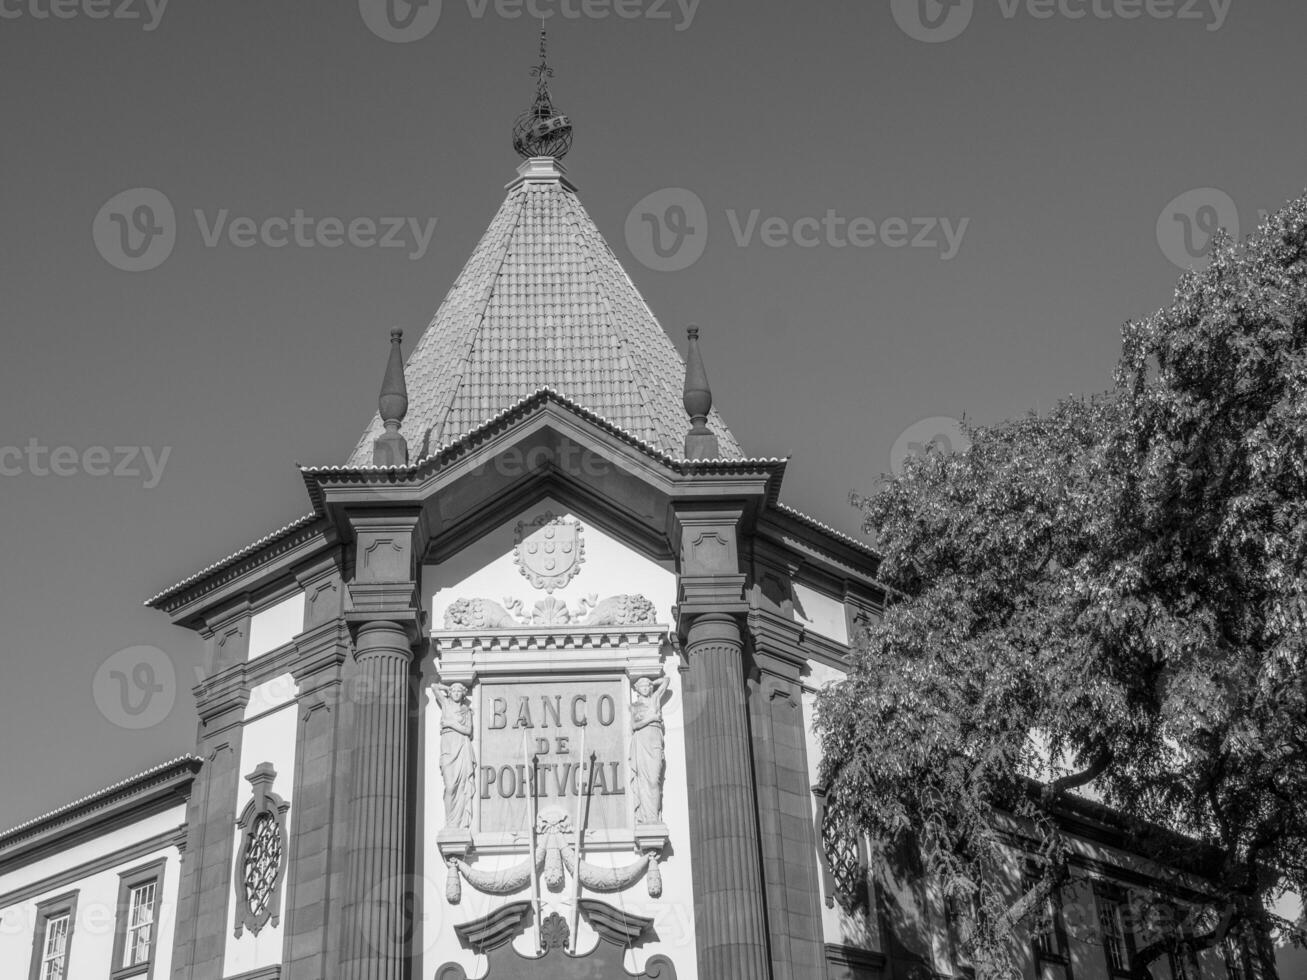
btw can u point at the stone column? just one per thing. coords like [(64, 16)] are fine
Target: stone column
[(784, 784), (729, 915), (376, 943), (313, 887), (206, 890)]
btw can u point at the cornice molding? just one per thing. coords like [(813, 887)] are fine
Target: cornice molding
[(102, 862), (122, 803), (775, 635), (550, 637), (311, 529)]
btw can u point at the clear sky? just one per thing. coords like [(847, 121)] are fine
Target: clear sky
[(1050, 146)]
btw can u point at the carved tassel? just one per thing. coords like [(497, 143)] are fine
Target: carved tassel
[(554, 868), (654, 878), (453, 884)]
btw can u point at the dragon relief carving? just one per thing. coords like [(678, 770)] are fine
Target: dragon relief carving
[(486, 614)]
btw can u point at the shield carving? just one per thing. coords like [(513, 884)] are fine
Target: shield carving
[(549, 550)]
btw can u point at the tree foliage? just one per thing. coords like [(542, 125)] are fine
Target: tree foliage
[(1108, 596)]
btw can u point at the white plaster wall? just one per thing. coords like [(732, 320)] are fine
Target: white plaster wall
[(277, 625), (270, 733), (821, 613), (91, 951), (486, 569)]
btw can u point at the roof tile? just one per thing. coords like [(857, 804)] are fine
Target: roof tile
[(544, 302)]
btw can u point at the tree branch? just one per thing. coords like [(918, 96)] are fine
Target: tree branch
[(1177, 943), (1075, 780)]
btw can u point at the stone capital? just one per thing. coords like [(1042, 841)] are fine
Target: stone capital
[(777, 645), (222, 703), (227, 637), (387, 544), (707, 539), (382, 638), (322, 580), (320, 651)]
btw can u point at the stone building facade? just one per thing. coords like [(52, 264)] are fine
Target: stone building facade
[(528, 692)]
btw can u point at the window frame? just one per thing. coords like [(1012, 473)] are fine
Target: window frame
[(53, 908), (127, 882), (1110, 898), (858, 901), (1183, 961), (1235, 954), (1061, 956)]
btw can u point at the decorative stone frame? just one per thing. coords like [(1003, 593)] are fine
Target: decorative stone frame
[(476, 657), (127, 881), (52, 908), (269, 804), (844, 875)]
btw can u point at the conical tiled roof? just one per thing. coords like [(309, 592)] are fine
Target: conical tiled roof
[(544, 302)]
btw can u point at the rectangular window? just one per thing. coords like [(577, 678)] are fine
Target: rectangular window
[(1114, 926), (140, 924), (1048, 932), (53, 941), (136, 938), (1236, 963), (54, 953)]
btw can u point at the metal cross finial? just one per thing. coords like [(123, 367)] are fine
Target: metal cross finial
[(542, 71)]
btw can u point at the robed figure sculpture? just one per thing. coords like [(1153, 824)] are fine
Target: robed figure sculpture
[(457, 759), (647, 745)]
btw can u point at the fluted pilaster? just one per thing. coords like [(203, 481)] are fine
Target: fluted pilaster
[(375, 946), (730, 917)]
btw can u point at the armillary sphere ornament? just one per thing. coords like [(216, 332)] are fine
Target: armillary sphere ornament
[(542, 131)]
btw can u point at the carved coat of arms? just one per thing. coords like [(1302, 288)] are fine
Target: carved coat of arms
[(549, 550)]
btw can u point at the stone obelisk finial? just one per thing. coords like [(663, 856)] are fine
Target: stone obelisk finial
[(390, 448), (700, 442)]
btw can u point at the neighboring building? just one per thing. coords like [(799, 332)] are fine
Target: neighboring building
[(90, 890), (547, 548)]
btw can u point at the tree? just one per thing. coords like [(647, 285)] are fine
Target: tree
[(1107, 598)]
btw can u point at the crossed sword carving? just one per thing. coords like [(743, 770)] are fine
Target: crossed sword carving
[(582, 819)]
